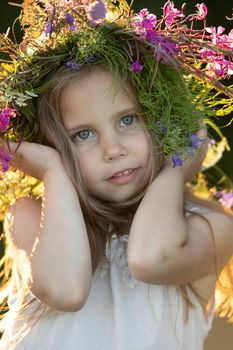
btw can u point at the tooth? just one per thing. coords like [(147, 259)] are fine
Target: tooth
[(126, 172)]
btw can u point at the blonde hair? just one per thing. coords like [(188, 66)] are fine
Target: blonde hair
[(98, 214), (102, 218)]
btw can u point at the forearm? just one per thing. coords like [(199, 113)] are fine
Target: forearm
[(61, 260), (159, 229)]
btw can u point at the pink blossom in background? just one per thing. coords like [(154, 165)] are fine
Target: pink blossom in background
[(227, 199), (202, 11), (171, 13), (220, 67), (215, 33), (5, 116), (143, 22)]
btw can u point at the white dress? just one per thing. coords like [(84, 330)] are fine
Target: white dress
[(121, 313)]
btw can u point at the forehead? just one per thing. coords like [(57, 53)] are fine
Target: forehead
[(95, 92)]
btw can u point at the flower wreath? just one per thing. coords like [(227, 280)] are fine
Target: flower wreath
[(161, 56)]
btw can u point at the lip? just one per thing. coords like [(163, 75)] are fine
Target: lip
[(124, 178)]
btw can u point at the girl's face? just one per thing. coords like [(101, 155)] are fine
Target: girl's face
[(111, 144)]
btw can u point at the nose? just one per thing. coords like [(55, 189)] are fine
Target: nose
[(113, 149)]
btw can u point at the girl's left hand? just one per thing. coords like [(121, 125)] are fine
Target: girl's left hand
[(192, 165)]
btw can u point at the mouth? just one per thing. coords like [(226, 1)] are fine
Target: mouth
[(122, 173), (123, 176)]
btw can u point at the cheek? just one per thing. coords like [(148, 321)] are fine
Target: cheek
[(143, 146), (87, 165)]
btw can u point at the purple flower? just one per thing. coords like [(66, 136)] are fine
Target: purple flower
[(92, 58), (49, 28), (195, 140), (97, 11), (74, 65), (202, 11), (137, 67), (5, 117), (144, 21), (70, 21), (171, 13), (164, 49), (177, 161), (4, 159), (227, 199), (147, 20)]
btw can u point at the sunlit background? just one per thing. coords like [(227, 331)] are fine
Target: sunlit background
[(221, 337)]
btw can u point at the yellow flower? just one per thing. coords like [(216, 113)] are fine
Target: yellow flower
[(214, 153)]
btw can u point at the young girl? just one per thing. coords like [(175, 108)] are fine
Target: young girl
[(116, 254)]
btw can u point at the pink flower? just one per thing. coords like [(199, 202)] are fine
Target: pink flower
[(202, 11), (5, 117), (226, 198), (144, 21), (148, 20), (220, 67), (206, 53), (171, 14), (4, 159), (218, 38), (137, 67), (226, 41), (215, 33)]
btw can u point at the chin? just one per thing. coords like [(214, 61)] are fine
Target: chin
[(120, 198)]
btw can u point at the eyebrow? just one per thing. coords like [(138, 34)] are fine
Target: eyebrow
[(122, 112)]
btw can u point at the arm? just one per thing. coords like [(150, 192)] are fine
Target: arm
[(57, 247), (167, 248)]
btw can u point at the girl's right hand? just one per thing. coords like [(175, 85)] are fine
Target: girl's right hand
[(32, 158)]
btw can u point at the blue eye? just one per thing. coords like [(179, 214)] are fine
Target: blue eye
[(128, 120), (82, 135)]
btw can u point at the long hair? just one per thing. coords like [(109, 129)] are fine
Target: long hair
[(98, 214)]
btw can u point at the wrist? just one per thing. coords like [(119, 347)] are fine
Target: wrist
[(173, 172), (54, 169)]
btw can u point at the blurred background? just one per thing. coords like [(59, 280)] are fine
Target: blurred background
[(221, 335)]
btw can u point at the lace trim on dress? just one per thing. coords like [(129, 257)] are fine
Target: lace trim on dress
[(116, 252)]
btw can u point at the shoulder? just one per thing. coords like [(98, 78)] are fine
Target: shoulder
[(22, 222), (218, 226)]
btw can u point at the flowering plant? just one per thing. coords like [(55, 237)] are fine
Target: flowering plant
[(161, 56)]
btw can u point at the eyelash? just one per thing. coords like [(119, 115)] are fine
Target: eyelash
[(77, 134)]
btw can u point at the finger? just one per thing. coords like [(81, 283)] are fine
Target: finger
[(202, 133)]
